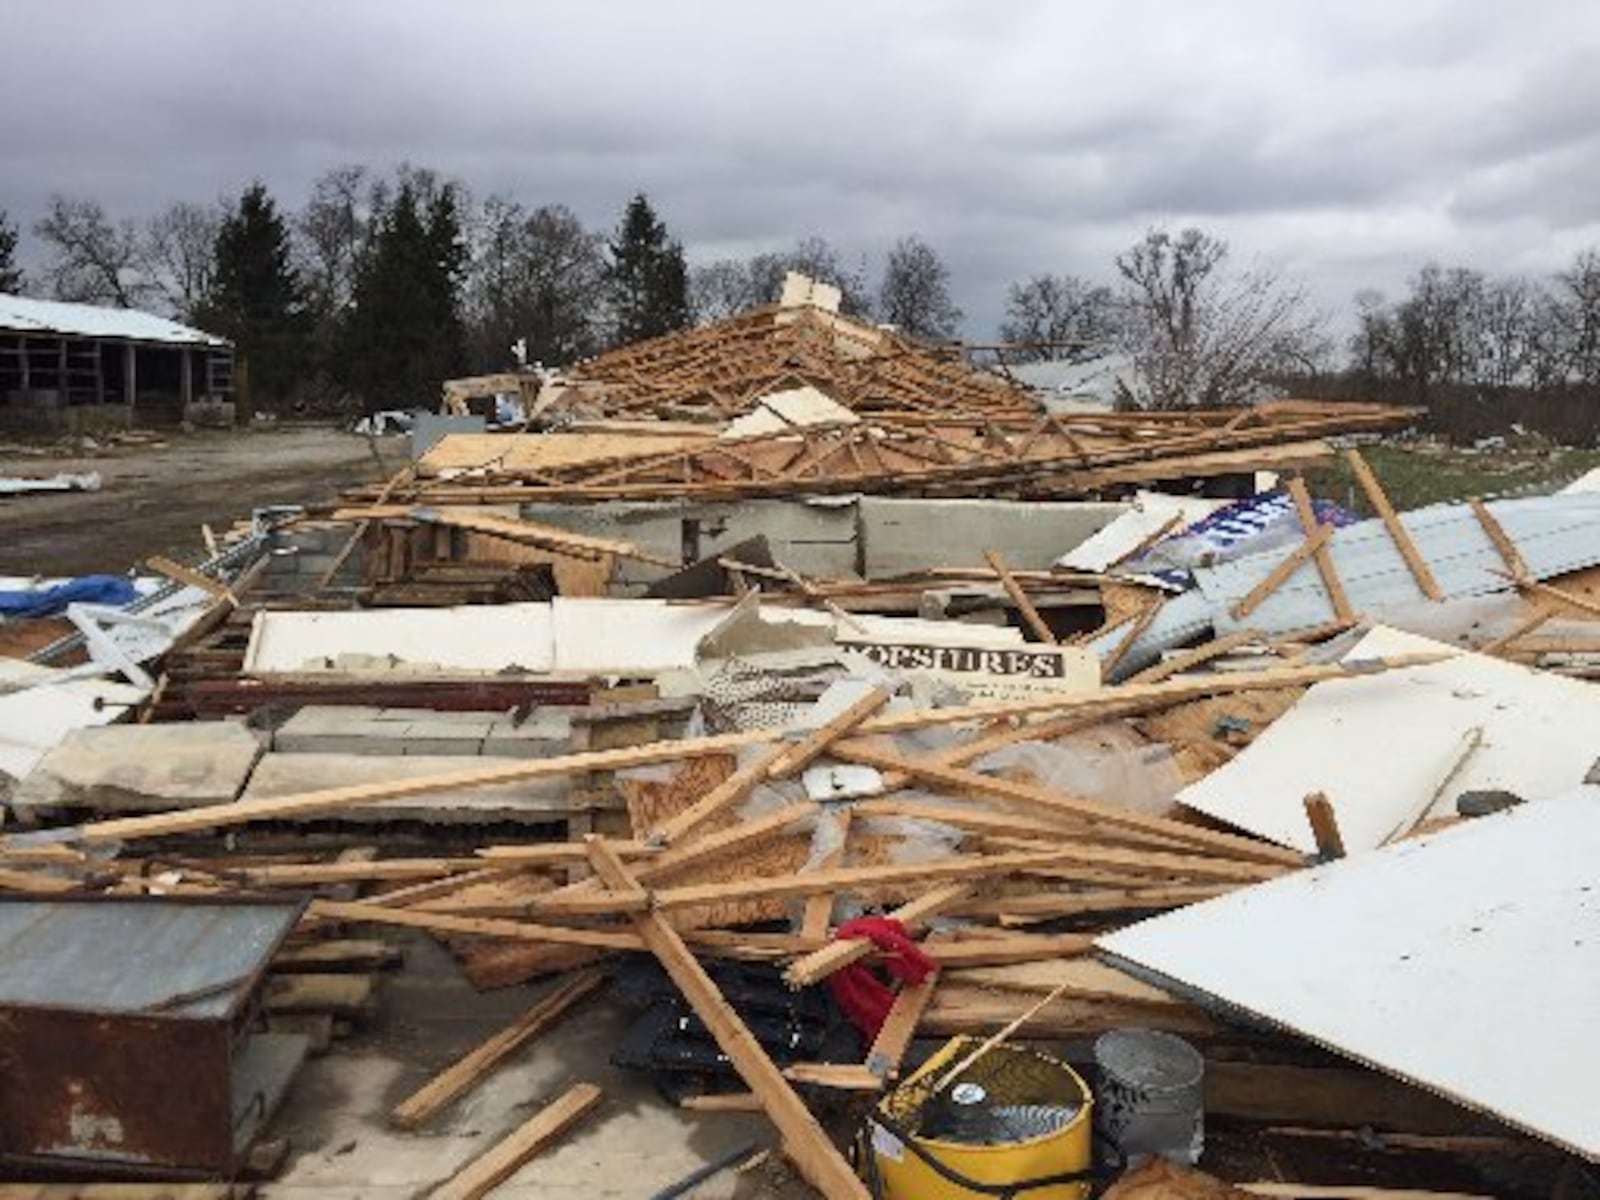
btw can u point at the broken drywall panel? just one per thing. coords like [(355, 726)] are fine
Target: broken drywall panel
[(601, 637), (479, 639), (1553, 534), (903, 536), (793, 408), (1465, 961), (143, 767), (537, 801), (40, 706), (813, 539), (1389, 750), (1151, 515)]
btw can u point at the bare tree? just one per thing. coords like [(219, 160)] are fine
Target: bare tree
[(536, 276), (729, 286), (1578, 315), (725, 288), (11, 278), (1204, 336), (180, 253), (333, 232), (1056, 317), (915, 293), (97, 261)]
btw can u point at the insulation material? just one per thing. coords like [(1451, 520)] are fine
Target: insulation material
[(1111, 763), (1392, 749), (1464, 961)]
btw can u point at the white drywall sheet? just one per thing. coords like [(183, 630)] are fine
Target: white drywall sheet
[(39, 707), (1150, 513), (1387, 749), (1466, 961), (469, 639)]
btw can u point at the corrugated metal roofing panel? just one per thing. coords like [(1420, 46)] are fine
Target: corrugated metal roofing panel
[(24, 314), (130, 956)]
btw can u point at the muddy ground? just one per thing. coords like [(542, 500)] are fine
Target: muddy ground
[(154, 498)]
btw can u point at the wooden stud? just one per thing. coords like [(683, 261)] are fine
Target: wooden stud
[(1504, 546), (468, 1071), (1030, 614), (1198, 656), (835, 956), (1279, 575), (1324, 557), (1420, 571), (894, 1038), (488, 1171), (1324, 826), (816, 1156)]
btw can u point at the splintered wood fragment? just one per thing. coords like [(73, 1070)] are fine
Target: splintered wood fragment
[(1131, 638), (1324, 826), (849, 1077), (997, 1038), (471, 1069), (487, 1172), (802, 754), (819, 906), (1171, 525), (835, 956), (522, 931), (722, 1102), (1280, 574), (1198, 656), (1044, 800), (347, 954), (1582, 603), (818, 1160), (1324, 557), (1504, 546), (186, 575), (1501, 644), (894, 1038), (1030, 614), (1005, 950), (342, 995), (1379, 499)]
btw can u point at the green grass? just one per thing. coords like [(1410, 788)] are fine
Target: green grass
[(1426, 474)]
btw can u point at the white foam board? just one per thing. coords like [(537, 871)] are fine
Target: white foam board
[(1466, 961), (1381, 746)]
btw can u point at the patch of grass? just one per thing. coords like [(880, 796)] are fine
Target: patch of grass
[(1416, 476)]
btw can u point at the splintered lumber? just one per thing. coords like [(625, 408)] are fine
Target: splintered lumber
[(1420, 571), (781, 763), (804, 1141), (1279, 574), (376, 914), (1581, 603), (467, 1072), (1324, 559), (482, 1175), (186, 575), (342, 995), (1111, 701), (1030, 614), (899, 1027), (1324, 826), (1198, 656), (1504, 546), (336, 955), (1008, 949), (835, 956), (1040, 799)]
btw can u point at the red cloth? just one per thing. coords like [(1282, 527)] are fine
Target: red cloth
[(864, 997)]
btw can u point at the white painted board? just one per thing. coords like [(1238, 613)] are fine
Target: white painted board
[(1467, 961), (1150, 512), (1380, 746), (468, 639)]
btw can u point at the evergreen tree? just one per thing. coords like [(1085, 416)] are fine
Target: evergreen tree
[(648, 276), (10, 273), (405, 334), (256, 298)]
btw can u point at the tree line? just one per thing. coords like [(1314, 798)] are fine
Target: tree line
[(381, 285)]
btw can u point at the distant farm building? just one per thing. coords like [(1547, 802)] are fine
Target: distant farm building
[(77, 367)]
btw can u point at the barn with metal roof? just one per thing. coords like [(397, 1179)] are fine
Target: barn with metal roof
[(75, 367)]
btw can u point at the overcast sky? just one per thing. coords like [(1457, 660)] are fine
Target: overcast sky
[(1345, 142)]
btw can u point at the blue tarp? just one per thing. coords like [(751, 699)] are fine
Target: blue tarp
[(114, 590)]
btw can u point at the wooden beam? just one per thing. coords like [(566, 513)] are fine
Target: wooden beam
[(835, 956), (1324, 557), (376, 914), (488, 1171), (894, 1038), (1324, 826), (470, 1070), (805, 1142), (1198, 656), (1030, 614), (1420, 571), (797, 757), (1504, 546), (186, 575), (1279, 575)]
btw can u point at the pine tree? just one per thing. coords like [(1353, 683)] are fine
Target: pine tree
[(10, 273), (405, 335), (648, 276), (256, 297)]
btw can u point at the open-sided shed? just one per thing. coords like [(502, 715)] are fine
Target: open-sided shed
[(79, 366)]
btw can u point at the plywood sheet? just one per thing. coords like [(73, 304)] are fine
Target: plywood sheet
[(1465, 961), (1391, 749), (533, 452)]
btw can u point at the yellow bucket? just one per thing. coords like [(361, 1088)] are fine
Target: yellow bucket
[(1020, 1088)]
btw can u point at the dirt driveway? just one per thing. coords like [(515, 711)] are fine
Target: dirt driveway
[(153, 499)]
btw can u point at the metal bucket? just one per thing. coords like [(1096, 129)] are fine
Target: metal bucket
[(1150, 1099)]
